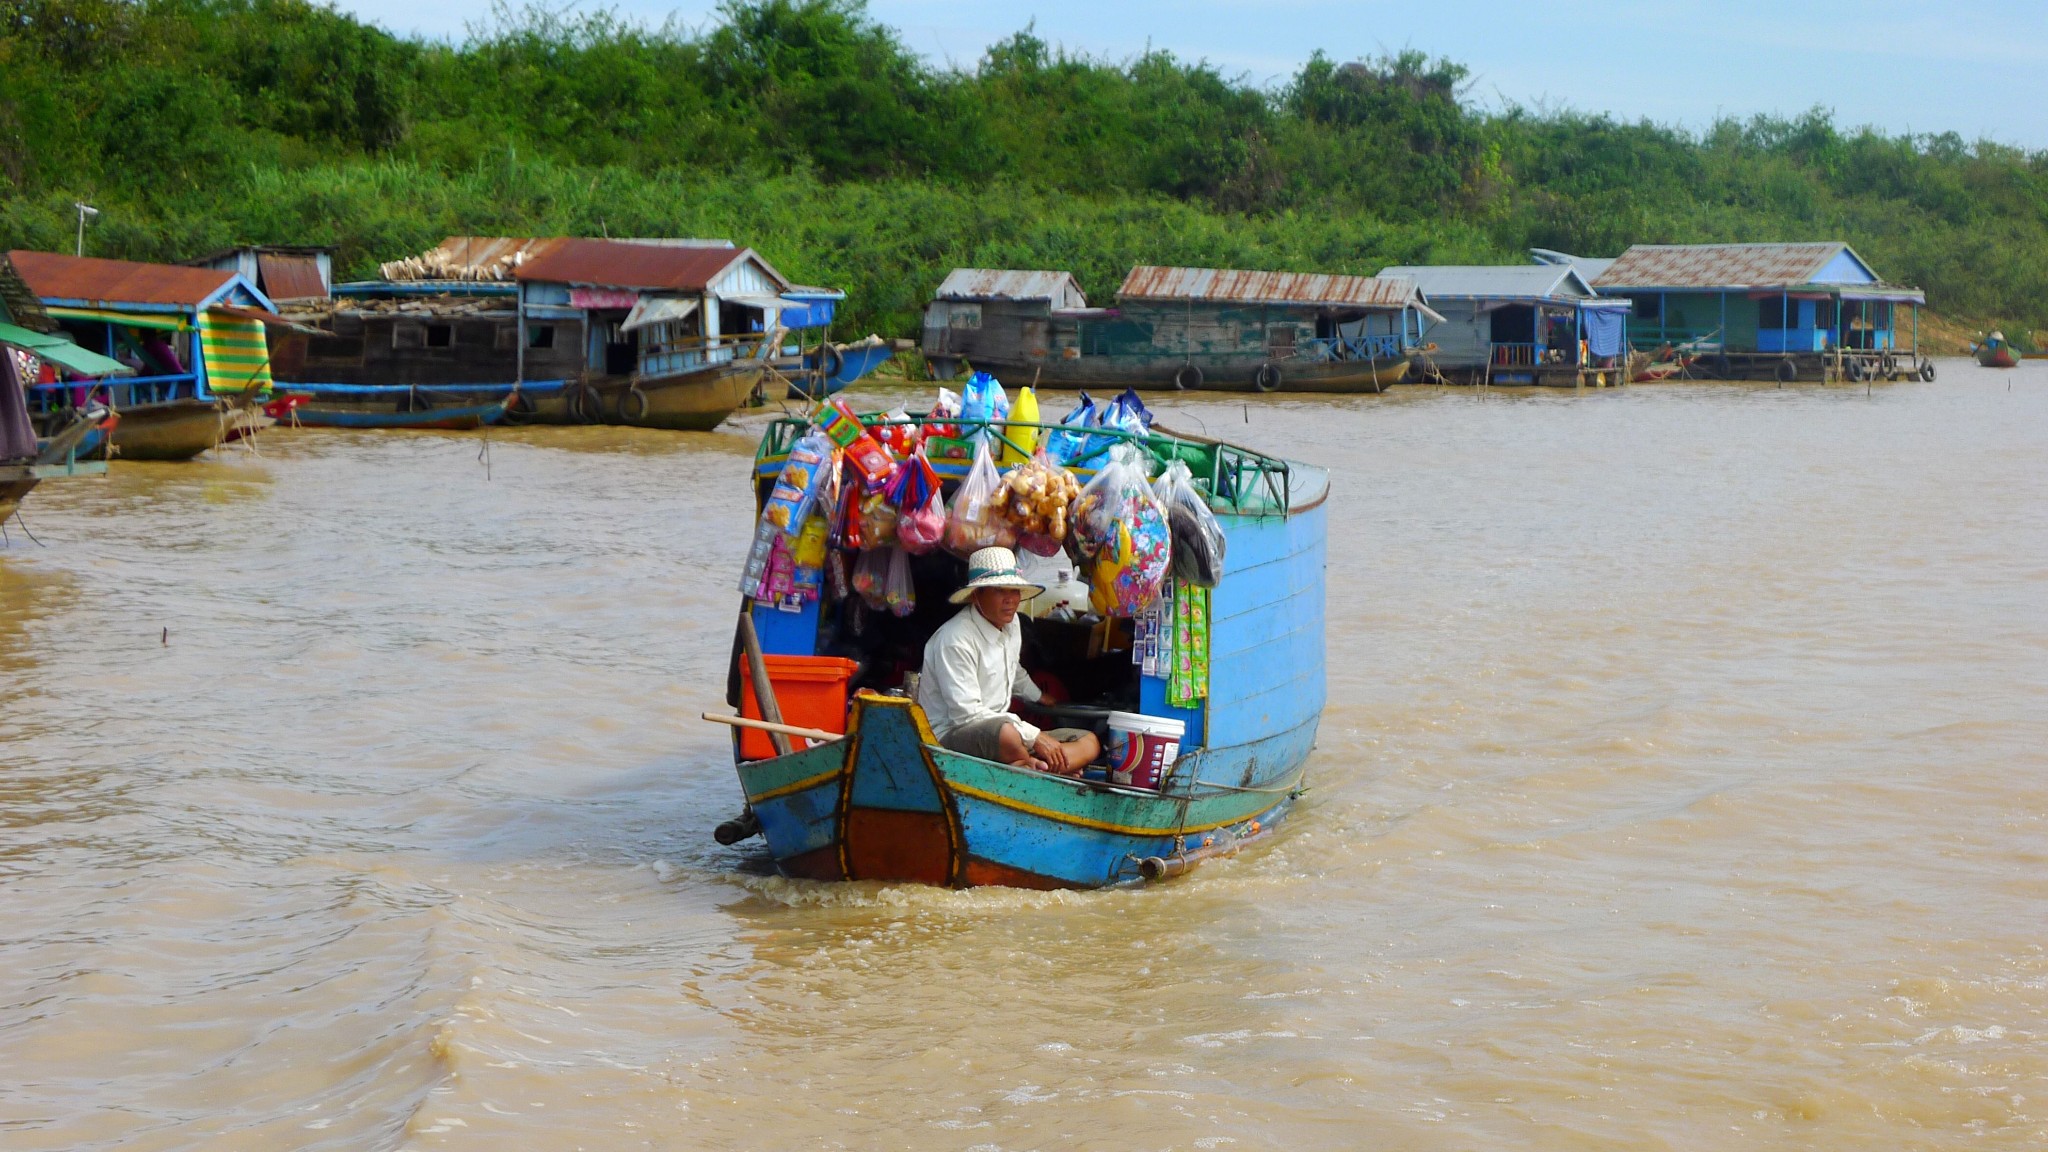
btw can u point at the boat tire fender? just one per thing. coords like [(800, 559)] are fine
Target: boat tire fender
[(633, 406), (584, 404), (1268, 377), (1927, 371), (1787, 371), (831, 361), (520, 408), (1889, 366), (1187, 378)]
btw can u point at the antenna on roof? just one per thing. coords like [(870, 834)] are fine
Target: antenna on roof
[(84, 210)]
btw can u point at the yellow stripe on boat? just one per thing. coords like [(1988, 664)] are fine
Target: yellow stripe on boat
[(1084, 821), (798, 786)]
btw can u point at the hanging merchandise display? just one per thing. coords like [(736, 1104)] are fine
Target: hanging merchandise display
[(1198, 541), (972, 522), (796, 490), (1188, 655)]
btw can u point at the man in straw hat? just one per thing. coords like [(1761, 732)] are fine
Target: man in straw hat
[(972, 669)]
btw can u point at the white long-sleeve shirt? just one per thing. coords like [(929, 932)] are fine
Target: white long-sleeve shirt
[(971, 669)]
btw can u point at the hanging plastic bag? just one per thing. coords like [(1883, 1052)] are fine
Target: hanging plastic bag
[(899, 592), (913, 484), (972, 521), (919, 531), (796, 492), (1069, 444), (1106, 499), (1035, 499), (871, 577), (1134, 409), (1198, 541), (982, 402)]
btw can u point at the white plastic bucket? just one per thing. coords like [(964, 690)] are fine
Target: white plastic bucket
[(1142, 748)]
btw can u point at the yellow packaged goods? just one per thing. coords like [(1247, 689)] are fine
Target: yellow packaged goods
[(1022, 438)]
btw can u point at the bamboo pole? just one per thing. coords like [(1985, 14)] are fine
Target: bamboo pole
[(774, 729), (764, 692)]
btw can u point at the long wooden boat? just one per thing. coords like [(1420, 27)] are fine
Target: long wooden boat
[(886, 802), (695, 399), (393, 405), (170, 430)]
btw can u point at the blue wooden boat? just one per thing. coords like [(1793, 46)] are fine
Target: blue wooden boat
[(832, 367), (886, 802), (457, 406)]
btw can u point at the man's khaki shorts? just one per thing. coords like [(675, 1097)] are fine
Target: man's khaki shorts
[(984, 738)]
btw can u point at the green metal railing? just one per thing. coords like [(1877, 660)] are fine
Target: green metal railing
[(1236, 480)]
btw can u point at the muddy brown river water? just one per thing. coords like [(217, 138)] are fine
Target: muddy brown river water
[(1684, 784)]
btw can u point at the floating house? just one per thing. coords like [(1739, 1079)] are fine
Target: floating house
[(1180, 328), (196, 336), (29, 339), (1762, 311), (1521, 324)]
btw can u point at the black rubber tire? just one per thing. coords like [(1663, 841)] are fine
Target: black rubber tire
[(1889, 366), (1267, 378), (520, 408), (1927, 371), (633, 405), (831, 361), (1187, 378), (584, 404), (1787, 371)]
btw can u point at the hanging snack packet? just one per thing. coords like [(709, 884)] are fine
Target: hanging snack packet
[(862, 451), (1198, 541), (789, 503), (972, 521), (807, 559), (877, 520)]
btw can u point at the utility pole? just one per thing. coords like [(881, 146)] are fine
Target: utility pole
[(84, 210)]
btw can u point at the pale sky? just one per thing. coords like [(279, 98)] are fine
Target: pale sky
[(1975, 67)]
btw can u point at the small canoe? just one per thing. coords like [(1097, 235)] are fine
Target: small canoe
[(1995, 352)]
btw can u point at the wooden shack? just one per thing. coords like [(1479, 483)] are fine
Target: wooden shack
[(1180, 328), (1520, 324), (1760, 311)]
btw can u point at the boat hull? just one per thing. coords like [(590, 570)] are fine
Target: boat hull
[(1997, 354), (173, 430), (687, 402), (15, 485), (855, 361), (1218, 374), (888, 803)]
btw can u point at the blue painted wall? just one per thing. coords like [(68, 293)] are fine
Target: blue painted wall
[(1266, 629)]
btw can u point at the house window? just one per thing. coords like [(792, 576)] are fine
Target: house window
[(1824, 314), (540, 335), (1648, 308), (440, 335), (1770, 312)]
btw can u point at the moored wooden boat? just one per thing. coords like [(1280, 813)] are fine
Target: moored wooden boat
[(886, 802), (392, 405), (61, 455)]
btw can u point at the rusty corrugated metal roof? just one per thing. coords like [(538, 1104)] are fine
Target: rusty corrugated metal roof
[(1718, 265), (1058, 288), (289, 277), (637, 264), (1230, 286), (55, 276), (469, 258)]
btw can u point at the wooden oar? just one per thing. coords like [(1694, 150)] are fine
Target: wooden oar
[(774, 729), (764, 691)]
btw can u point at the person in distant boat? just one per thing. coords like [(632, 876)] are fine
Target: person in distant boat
[(972, 668)]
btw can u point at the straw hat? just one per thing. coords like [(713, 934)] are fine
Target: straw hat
[(994, 568)]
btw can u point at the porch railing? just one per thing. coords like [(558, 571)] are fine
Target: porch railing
[(126, 392)]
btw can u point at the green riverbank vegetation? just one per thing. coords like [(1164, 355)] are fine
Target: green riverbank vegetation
[(807, 129)]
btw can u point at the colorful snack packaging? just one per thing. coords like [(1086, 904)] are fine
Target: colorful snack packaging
[(796, 491), (873, 461)]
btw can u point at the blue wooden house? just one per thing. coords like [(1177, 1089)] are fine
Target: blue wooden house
[(1520, 324), (1758, 311)]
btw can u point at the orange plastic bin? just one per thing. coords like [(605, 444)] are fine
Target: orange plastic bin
[(810, 690)]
